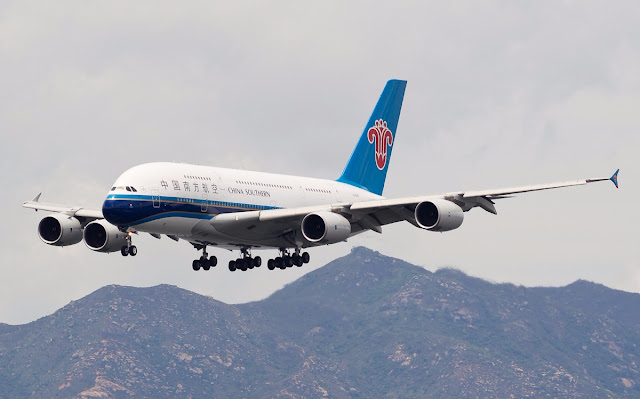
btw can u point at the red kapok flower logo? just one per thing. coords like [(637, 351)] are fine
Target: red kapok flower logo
[(382, 136)]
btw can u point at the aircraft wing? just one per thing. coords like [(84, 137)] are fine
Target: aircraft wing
[(372, 215), (79, 212), (392, 210)]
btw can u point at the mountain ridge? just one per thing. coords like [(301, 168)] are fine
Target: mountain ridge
[(364, 325)]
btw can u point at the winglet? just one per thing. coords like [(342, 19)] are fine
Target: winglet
[(38, 197), (614, 178)]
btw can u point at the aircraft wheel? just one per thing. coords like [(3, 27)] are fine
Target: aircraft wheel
[(232, 265), (241, 265), (196, 265), (279, 263), (249, 263), (271, 264), (288, 262), (297, 260), (257, 261), (213, 261), (204, 262), (305, 257), (133, 251), (124, 251)]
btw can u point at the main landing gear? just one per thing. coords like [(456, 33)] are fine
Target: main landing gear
[(204, 262), (245, 261), (286, 259), (283, 261), (129, 249)]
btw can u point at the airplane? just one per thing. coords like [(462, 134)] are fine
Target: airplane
[(243, 210)]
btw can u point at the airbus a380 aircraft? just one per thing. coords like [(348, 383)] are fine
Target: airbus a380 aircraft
[(242, 210)]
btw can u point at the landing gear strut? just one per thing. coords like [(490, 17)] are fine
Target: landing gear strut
[(204, 262), (245, 261), (129, 249)]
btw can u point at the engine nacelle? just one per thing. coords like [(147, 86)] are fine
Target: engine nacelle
[(325, 227), (60, 230), (438, 215), (102, 236)]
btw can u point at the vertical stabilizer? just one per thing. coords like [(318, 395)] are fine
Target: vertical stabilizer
[(367, 167)]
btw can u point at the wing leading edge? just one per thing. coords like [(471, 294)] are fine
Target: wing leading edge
[(90, 214), (471, 199), (372, 215)]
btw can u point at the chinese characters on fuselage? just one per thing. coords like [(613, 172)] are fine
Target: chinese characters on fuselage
[(213, 189)]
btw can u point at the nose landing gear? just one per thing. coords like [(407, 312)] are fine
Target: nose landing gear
[(129, 249)]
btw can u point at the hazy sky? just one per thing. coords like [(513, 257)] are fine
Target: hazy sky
[(499, 94)]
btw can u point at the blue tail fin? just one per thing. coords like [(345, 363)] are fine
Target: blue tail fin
[(367, 167)]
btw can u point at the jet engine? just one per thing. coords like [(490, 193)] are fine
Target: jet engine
[(102, 236), (438, 215), (60, 230), (325, 227)]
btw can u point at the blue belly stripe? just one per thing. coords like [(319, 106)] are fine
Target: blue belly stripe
[(130, 210)]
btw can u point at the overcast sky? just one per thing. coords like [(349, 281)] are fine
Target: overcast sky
[(499, 94)]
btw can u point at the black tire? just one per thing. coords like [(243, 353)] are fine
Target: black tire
[(271, 264), (279, 263), (133, 250), (213, 261), (232, 266), (204, 262), (257, 261), (305, 257), (124, 251), (241, 265), (248, 263), (195, 265), (288, 262), (297, 260)]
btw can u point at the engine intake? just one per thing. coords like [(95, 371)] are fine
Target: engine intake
[(60, 230), (438, 215), (325, 227), (102, 236)]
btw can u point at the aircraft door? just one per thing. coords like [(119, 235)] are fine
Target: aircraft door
[(155, 195)]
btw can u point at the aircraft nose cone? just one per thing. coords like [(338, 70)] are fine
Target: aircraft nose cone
[(115, 212)]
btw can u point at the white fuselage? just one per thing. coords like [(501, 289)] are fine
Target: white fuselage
[(181, 199)]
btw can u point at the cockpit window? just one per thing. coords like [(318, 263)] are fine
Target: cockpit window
[(128, 188), (113, 188), (134, 189)]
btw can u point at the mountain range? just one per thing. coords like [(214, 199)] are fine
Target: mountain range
[(363, 326)]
